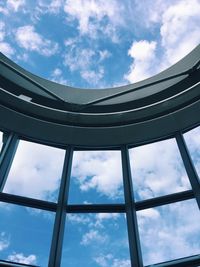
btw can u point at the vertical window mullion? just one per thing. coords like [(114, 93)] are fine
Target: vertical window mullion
[(59, 225), (132, 226), (6, 157), (189, 166)]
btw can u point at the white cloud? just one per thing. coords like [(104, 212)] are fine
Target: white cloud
[(93, 236), (87, 61), (4, 241), (93, 77), (158, 175), (150, 213), (104, 54), (102, 260), (121, 263), (5, 47), (101, 171), (23, 57), (106, 216), (79, 58), (57, 76), (29, 39), (108, 260), (36, 171), (102, 233), (2, 30), (79, 219), (179, 24), (147, 14), (57, 72), (46, 6), (21, 258), (144, 58), (95, 17), (171, 235), (15, 5), (180, 29), (94, 223), (3, 10)]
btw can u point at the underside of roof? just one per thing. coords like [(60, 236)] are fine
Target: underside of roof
[(151, 109)]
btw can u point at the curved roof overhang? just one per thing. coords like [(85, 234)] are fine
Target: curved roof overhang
[(151, 109)]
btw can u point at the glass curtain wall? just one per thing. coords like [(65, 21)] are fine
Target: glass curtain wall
[(131, 206)]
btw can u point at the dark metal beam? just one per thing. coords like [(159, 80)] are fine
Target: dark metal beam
[(28, 202), (59, 225), (97, 101), (192, 261), (190, 169), (15, 264), (6, 157), (34, 82), (164, 200), (132, 226), (96, 208)]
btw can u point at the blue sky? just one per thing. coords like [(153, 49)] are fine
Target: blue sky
[(95, 44), (98, 44)]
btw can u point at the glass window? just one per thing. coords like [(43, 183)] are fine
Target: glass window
[(36, 171), (25, 234), (169, 232), (192, 139), (157, 169), (96, 177), (96, 240)]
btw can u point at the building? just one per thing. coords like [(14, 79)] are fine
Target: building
[(164, 107)]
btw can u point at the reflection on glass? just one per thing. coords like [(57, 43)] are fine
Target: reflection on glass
[(157, 169), (36, 171), (1, 140), (95, 240), (169, 232), (192, 139), (96, 177), (25, 234)]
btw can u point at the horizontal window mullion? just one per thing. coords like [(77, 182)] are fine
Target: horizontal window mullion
[(104, 208), (28, 202), (164, 200)]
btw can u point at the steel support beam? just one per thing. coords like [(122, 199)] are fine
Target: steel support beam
[(59, 225), (15, 264), (28, 202), (133, 234), (164, 200), (189, 166), (192, 261), (6, 157), (95, 208)]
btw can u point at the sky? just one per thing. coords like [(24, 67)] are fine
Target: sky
[(99, 44)]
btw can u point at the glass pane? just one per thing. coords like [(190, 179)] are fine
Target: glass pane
[(96, 177), (157, 169), (93, 240), (192, 139), (169, 232), (36, 171), (25, 234)]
